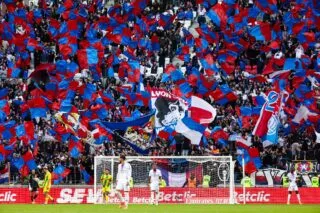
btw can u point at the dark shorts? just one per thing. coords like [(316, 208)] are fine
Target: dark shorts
[(34, 190)]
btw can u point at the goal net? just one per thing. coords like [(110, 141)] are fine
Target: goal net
[(186, 179)]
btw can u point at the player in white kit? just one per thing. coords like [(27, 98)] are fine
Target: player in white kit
[(123, 178), (155, 178), (292, 176)]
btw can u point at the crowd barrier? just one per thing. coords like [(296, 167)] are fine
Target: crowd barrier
[(85, 195)]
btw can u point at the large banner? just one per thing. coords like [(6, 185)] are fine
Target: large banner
[(174, 114), (273, 177), (85, 195)]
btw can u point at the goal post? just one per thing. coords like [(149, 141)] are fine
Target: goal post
[(212, 178)]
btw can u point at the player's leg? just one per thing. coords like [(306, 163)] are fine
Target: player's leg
[(120, 188), (35, 195), (106, 196), (126, 190), (50, 197), (157, 197), (152, 193), (47, 196), (155, 189), (298, 195), (126, 198), (289, 196), (31, 196)]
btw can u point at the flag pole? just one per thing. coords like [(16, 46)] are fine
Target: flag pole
[(243, 176)]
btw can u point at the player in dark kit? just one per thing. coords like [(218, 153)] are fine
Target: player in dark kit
[(33, 186)]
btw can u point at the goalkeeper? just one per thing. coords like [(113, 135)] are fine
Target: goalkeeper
[(106, 181), (47, 185)]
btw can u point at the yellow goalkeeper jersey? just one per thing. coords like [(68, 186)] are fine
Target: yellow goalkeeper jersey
[(106, 180), (47, 180)]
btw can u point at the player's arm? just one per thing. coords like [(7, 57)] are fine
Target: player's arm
[(160, 177), (118, 174), (185, 184), (129, 173), (45, 182), (49, 179)]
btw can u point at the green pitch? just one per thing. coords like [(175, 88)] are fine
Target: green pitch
[(160, 209)]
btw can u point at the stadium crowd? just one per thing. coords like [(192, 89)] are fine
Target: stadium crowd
[(252, 60)]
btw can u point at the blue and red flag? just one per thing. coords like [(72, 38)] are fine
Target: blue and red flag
[(88, 57), (59, 173), (4, 110), (218, 15), (209, 65), (139, 6), (155, 45), (37, 107), (7, 130), (26, 163), (252, 160), (25, 130), (220, 136), (75, 147), (223, 95), (88, 179), (262, 32), (268, 122), (166, 20), (13, 71)]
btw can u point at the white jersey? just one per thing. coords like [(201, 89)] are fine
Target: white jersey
[(292, 178), (155, 176), (124, 172)]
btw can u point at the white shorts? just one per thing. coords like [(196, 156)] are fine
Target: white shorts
[(293, 187), (123, 186), (154, 187)]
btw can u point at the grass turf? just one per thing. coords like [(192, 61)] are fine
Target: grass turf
[(81, 208)]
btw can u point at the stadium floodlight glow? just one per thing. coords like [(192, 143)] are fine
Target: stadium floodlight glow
[(212, 178)]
